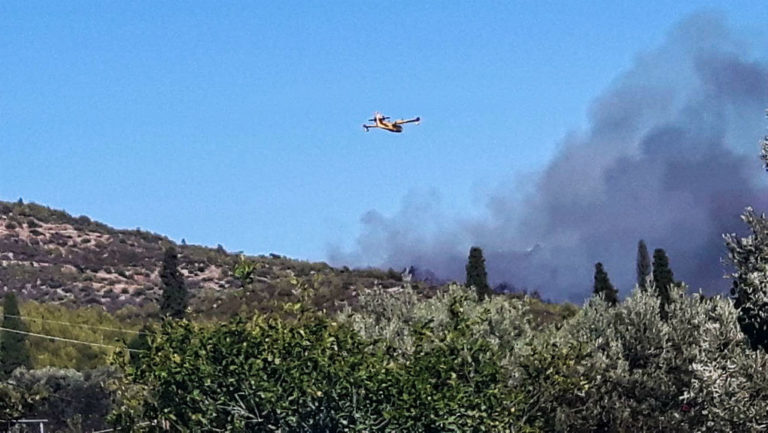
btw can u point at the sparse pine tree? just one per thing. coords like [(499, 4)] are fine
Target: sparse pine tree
[(662, 278), (14, 352), (476, 275), (643, 265), (603, 285), (174, 301)]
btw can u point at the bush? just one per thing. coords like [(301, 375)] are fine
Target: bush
[(67, 398), (390, 316), (15, 401), (314, 374), (604, 369), (637, 371)]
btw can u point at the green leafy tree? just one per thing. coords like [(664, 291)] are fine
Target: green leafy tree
[(14, 352), (175, 296), (643, 265), (315, 374), (476, 275), (663, 278), (603, 285)]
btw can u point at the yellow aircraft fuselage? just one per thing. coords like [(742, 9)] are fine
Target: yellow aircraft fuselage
[(380, 121)]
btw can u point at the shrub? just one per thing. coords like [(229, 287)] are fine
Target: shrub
[(315, 374), (638, 371), (390, 316), (67, 397)]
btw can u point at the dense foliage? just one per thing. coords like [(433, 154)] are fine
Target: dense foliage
[(606, 369), (91, 324), (70, 400), (317, 374), (14, 401), (14, 352), (749, 256), (399, 362)]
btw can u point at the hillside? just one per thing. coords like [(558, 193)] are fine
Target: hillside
[(51, 256)]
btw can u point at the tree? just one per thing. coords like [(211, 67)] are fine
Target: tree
[(749, 257), (662, 278), (313, 373), (139, 343), (750, 282), (174, 302), (643, 265), (603, 285), (476, 275), (14, 352)]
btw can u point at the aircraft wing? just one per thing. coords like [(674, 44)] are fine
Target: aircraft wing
[(402, 121)]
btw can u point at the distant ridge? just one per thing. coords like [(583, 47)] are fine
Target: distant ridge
[(51, 256)]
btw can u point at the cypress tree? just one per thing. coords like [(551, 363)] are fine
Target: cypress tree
[(174, 301), (662, 278), (14, 352), (603, 285), (643, 265), (476, 275)]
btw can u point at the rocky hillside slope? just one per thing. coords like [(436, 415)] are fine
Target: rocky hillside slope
[(51, 256)]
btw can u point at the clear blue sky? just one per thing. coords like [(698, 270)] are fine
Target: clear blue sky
[(239, 122)]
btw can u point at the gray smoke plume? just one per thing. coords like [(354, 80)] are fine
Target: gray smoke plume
[(671, 156)]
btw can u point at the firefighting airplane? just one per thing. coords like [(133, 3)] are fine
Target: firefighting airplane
[(380, 121)]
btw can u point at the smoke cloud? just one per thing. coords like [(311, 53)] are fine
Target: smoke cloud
[(670, 156)]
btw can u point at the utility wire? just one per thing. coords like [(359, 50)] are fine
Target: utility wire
[(69, 340), (77, 324), (141, 424)]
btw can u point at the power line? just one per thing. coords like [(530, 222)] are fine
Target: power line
[(77, 324), (68, 340), (141, 424)]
